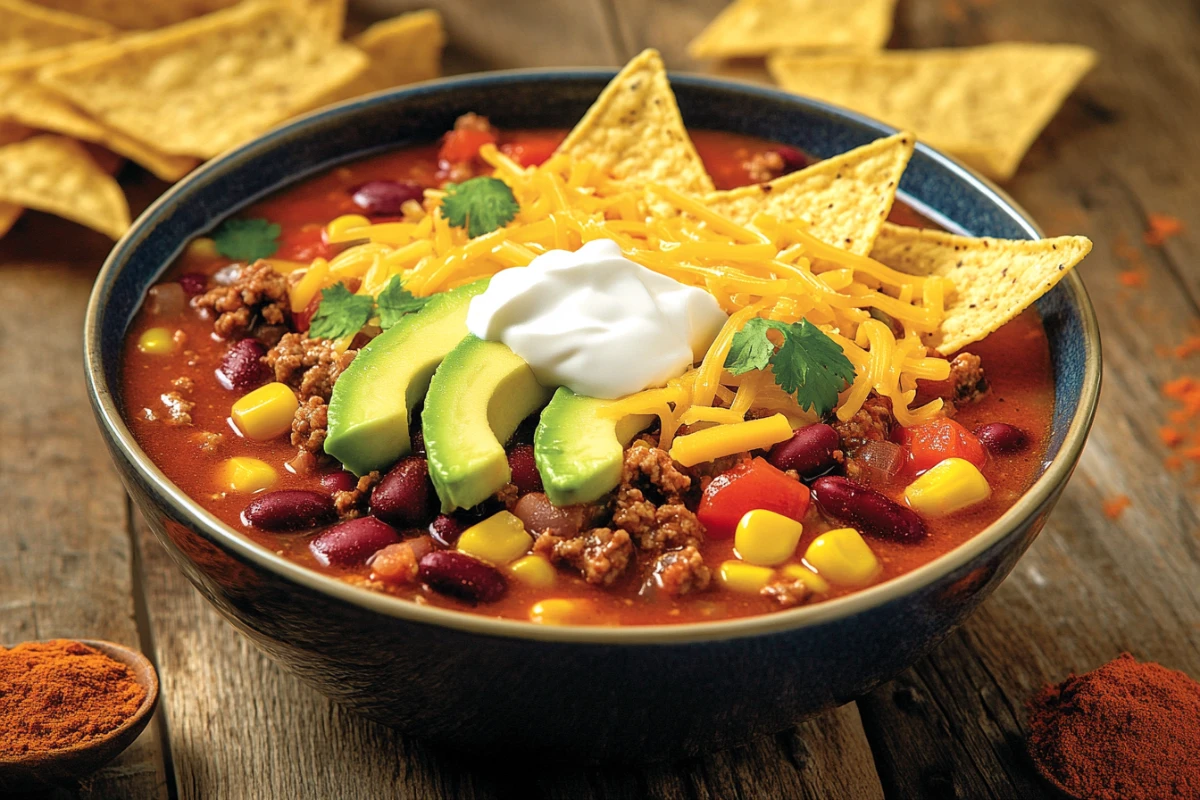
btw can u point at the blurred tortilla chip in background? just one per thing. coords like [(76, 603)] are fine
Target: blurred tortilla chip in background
[(404, 49), (139, 14), (26, 28), (750, 28)]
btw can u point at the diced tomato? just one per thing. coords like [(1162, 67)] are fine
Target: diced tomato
[(747, 487), (462, 144), (933, 442), (531, 150), (304, 244)]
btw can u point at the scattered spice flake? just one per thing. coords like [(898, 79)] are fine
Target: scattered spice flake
[(1133, 278), (1171, 437), (1162, 227), (1173, 463), (1115, 506), (1190, 347)]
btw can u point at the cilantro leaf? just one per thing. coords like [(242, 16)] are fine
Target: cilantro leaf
[(247, 239), (481, 205), (808, 364), (395, 301), (340, 313)]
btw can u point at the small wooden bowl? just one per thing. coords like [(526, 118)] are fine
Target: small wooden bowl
[(70, 763)]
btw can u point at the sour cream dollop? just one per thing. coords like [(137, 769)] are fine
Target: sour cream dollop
[(596, 322)]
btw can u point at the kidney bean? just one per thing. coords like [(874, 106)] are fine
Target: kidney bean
[(340, 481), (868, 510), (453, 573), (405, 495), (384, 198), (542, 516), (193, 283), (809, 451), (445, 530), (289, 510), (1002, 438), (242, 367), (352, 542), (793, 159), (524, 469)]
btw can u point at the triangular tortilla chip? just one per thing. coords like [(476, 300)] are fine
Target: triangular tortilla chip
[(984, 105), (139, 14), (204, 86), (11, 131), (634, 131), (26, 28), (994, 279), (8, 217), (751, 28), (326, 16), (843, 200), (404, 49), (55, 174)]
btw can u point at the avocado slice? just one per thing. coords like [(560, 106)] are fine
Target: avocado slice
[(476, 400), (579, 450), (372, 399)]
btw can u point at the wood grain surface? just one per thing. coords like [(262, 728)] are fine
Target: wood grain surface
[(75, 561)]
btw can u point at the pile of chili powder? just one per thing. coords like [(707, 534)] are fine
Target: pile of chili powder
[(1126, 731)]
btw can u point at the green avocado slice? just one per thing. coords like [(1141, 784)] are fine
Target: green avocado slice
[(579, 450), (372, 400), (477, 398)]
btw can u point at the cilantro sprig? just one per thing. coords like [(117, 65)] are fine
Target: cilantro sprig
[(342, 313), (807, 364), (481, 205), (247, 239)]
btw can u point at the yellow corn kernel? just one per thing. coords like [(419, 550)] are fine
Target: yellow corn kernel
[(533, 571), (563, 611), (951, 485), (266, 412), (799, 572), (309, 284), (247, 475), (738, 576), (766, 538), (724, 440), (203, 248), (157, 342), (842, 557), (500, 538), (338, 229)]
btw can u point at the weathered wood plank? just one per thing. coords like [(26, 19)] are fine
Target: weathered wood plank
[(65, 559)]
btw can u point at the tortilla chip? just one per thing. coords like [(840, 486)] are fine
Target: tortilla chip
[(985, 105), (56, 174), (26, 28), (843, 200), (203, 86), (994, 279), (751, 28), (634, 131), (139, 14), (11, 131), (328, 17), (9, 214)]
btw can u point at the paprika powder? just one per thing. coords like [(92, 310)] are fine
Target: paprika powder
[(61, 693), (1126, 731)]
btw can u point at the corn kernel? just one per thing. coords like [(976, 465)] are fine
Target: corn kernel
[(266, 412), (157, 342), (500, 538), (766, 538), (842, 557), (799, 572), (533, 571), (563, 611), (738, 576), (311, 282), (203, 248), (951, 485), (724, 440), (338, 228), (247, 475)]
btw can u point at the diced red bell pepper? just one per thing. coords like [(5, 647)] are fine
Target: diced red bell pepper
[(747, 487), (933, 442), (304, 244), (531, 150), (462, 144)]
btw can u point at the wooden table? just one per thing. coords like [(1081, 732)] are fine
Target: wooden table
[(76, 561)]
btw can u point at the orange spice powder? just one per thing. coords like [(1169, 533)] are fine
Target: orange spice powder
[(1115, 506), (1161, 227)]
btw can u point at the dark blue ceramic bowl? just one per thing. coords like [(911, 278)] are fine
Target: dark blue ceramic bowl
[(588, 693)]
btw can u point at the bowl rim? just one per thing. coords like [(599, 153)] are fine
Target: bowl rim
[(122, 441)]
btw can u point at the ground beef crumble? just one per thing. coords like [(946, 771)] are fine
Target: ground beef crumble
[(310, 366), (871, 423), (208, 441), (966, 375), (601, 555), (310, 425), (678, 572), (349, 504), (179, 409), (787, 592), (259, 292)]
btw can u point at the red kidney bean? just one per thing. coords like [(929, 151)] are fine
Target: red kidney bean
[(193, 283), (793, 159), (1002, 438), (809, 451), (867, 510), (453, 573), (405, 495), (242, 367), (384, 198), (340, 481), (541, 516), (445, 530), (352, 542), (289, 510), (524, 469)]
